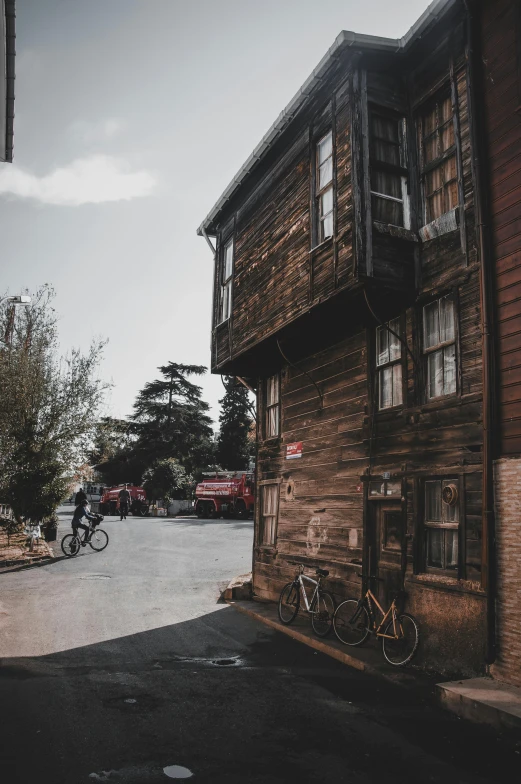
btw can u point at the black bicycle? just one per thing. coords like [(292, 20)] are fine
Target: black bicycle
[(96, 537)]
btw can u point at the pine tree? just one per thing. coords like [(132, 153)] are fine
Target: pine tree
[(234, 446), (170, 419)]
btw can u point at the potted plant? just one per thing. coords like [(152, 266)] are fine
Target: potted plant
[(50, 528)]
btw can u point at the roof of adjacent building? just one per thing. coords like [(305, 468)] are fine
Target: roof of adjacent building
[(344, 41)]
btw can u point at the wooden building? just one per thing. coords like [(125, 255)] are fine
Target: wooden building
[(498, 50), (349, 293)]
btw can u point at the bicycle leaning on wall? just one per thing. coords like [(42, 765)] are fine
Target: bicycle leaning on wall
[(321, 606), (356, 619)]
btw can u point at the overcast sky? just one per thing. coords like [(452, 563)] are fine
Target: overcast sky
[(132, 116)]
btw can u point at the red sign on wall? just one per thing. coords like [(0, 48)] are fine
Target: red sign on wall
[(294, 450)]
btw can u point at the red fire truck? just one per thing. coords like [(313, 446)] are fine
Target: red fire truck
[(230, 494), (109, 502)]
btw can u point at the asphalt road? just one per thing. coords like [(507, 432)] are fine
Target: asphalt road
[(117, 666)]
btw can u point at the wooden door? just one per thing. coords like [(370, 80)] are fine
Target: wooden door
[(387, 542)]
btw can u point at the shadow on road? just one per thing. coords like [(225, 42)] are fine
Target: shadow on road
[(233, 703)]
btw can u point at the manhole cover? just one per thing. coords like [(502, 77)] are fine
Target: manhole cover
[(95, 577), (226, 662), (177, 772)]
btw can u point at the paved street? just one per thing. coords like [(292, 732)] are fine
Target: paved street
[(118, 665)]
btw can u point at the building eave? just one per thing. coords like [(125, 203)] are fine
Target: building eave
[(344, 41)]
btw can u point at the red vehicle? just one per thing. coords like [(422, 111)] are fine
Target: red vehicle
[(230, 494), (109, 502)]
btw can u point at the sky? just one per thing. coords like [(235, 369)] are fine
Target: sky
[(131, 118)]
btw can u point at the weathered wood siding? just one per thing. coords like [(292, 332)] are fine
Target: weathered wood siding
[(502, 57), (320, 515), (278, 274)]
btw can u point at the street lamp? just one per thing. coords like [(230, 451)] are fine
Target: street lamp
[(14, 299), (17, 299)]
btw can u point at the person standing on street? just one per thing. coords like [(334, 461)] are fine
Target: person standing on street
[(80, 497), (124, 503)]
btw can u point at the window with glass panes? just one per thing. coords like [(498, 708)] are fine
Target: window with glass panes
[(389, 198), (389, 364), (272, 406), (439, 347), (438, 159), (269, 513), (441, 527), (226, 281), (324, 186)]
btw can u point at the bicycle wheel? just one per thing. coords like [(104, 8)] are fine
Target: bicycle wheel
[(70, 545), (99, 540), (351, 622), (322, 616), (400, 651), (289, 603)]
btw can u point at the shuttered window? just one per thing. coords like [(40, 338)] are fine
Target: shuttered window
[(226, 282), (438, 159), (324, 186), (269, 513), (388, 172), (273, 406), (389, 365), (439, 347)]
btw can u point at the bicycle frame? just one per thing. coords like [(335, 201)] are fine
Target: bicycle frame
[(369, 595), (300, 581)]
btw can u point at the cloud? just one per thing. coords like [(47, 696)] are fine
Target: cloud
[(91, 133), (92, 180)]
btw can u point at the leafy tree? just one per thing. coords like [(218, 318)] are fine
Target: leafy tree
[(234, 445), (170, 419), (112, 452), (48, 407), (167, 479)]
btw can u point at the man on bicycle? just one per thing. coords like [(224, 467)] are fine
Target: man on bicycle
[(81, 511)]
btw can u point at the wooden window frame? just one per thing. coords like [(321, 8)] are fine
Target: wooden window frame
[(400, 170), (442, 157), (268, 407), (320, 192), (380, 368), (226, 282), (275, 517), (443, 525), (441, 346)]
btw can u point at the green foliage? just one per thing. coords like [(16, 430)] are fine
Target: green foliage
[(170, 419), (48, 407), (167, 479), (234, 446)]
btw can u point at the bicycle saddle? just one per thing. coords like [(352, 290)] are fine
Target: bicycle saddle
[(322, 572)]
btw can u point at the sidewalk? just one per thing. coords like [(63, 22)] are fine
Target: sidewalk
[(16, 553), (481, 700)]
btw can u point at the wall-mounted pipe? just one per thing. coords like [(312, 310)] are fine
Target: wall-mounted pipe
[(486, 285)]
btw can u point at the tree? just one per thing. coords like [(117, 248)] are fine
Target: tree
[(112, 453), (234, 446), (48, 407), (167, 479), (170, 419)]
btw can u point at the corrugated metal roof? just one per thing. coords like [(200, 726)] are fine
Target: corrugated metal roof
[(345, 40)]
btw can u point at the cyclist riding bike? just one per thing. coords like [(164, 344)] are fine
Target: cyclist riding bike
[(83, 511)]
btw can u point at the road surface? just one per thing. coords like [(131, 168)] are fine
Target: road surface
[(122, 666)]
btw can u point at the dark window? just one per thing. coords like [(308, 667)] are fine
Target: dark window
[(324, 186), (389, 364), (269, 513), (273, 406), (439, 347), (442, 524), (438, 158), (225, 308), (389, 199)]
